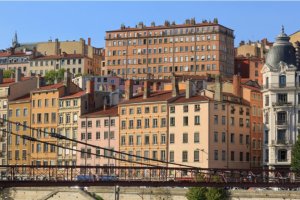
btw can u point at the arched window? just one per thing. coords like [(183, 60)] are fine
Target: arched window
[(282, 81), (282, 155)]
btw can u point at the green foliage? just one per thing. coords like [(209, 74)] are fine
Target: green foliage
[(53, 75), (196, 193), (295, 164), (216, 194), (202, 193), (8, 73)]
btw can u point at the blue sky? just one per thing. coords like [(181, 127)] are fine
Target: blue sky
[(40, 21)]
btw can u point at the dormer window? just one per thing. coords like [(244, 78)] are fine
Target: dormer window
[(282, 81)]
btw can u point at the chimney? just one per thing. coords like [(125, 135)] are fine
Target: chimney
[(1, 76), (18, 75), (139, 89), (236, 84), (188, 89), (67, 81), (128, 89), (146, 89), (89, 87), (156, 86), (89, 41), (38, 81), (175, 89), (57, 47), (218, 89)]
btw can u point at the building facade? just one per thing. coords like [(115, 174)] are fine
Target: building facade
[(100, 128), (281, 99), (158, 51)]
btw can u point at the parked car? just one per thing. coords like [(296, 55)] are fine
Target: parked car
[(108, 178), (85, 178)]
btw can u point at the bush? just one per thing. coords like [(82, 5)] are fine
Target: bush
[(202, 193)]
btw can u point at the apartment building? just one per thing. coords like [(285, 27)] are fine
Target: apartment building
[(45, 113), (11, 89), (143, 125), (19, 150), (100, 128), (71, 107), (12, 60), (158, 51), (67, 51), (249, 68), (209, 130), (75, 63), (257, 49), (281, 99)]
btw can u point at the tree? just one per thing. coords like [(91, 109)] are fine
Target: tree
[(50, 76), (216, 194), (295, 164), (202, 193), (53, 75), (196, 193), (8, 73)]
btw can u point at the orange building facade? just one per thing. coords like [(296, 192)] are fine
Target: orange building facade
[(158, 51)]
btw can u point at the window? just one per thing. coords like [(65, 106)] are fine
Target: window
[(184, 156), (154, 123), (147, 109), (172, 109), (241, 156), (215, 136), (147, 123), (123, 140), (147, 139), (282, 81), (163, 122), (196, 137), (216, 155), (162, 139), (282, 98), (154, 139), (185, 108), (172, 138), (185, 121), (232, 155), (185, 138), (223, 155), (232, 137), (197, 120), (97, 135), (196, 156), (282, 155), (90, 124), (197, 108), (267, 100), (215, 119), (130, 138), (154, 109), (241, 139), (171, 156), (172, 121)]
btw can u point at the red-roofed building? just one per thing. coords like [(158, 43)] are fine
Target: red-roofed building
[(100, 128)]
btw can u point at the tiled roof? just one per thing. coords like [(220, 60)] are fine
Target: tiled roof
[(109, 111), (6, 54), (26, 97), (155, 96), (196, 98), (9, 81), (51, 57), (74, 95), (50, 87)]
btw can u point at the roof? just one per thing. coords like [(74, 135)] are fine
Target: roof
[(154, 97), (182, 99), (109, 111), (74, 95), (26, 97), (50, 87), (9, 81), (51, 57), (8, 54), (166, 27)]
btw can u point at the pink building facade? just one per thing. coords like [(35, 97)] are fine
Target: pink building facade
[(100, 128)]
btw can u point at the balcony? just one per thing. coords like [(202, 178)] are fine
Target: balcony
[(280, 86), (281, 122), (282, 103)]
